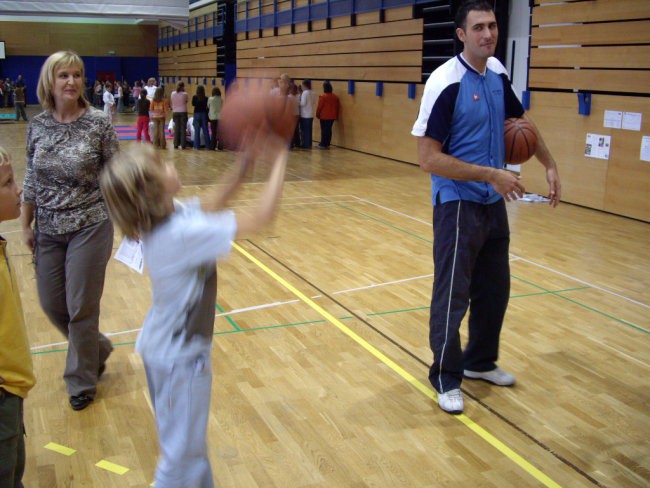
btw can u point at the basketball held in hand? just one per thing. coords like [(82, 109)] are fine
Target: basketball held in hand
[(251, 114), (520, 141)]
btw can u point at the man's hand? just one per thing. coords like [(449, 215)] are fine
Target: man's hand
[(554, 187), (507, 184)]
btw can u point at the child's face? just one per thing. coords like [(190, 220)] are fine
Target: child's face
[(9, 193)]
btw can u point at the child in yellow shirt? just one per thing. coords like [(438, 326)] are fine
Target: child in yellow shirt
[(16, 374)]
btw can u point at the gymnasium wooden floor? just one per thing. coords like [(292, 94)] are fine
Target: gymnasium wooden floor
[(321, 347)]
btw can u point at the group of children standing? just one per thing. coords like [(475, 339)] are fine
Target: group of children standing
[(203, 126)]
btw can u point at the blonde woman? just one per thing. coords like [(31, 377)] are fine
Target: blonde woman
[(68, 145)]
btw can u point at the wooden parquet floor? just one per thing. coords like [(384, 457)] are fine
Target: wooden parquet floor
[(321, 351)]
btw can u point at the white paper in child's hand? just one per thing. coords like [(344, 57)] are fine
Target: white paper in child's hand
[(130, 253)]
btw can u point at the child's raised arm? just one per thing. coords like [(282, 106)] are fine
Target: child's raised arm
[(228, 185), (268, 202)]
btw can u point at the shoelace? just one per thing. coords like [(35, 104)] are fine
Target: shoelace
[(455, 395)]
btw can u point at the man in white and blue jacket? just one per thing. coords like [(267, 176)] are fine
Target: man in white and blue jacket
[(460, 130)]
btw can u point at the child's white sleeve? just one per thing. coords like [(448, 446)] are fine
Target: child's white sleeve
[(208, 236)]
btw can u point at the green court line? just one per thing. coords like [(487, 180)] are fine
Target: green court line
[(279, 326), (592, 309), (390, 312), (633, 326), (417, 309), (310, 322), (231, 321), (115, 344), (549, 292), (38, 353), (430, 241)]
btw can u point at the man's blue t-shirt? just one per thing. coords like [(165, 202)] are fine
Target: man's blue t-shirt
[(465, 111)]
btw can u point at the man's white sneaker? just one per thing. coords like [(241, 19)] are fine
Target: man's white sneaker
[(497, 376), (451, 401)]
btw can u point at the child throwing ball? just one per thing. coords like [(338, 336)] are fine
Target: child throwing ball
[(181, 244)]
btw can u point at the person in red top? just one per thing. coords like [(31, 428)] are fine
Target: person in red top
[(327, 111)]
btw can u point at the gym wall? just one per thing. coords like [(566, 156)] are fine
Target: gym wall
[(370, 58), (127, 50), (601, 48), (194, 54)]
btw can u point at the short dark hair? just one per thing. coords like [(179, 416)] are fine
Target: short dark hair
[(327, 87), (307, 83), (467, 6)]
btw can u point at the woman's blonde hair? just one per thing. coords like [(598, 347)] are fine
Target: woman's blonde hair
[(133, 187), (60, 59)]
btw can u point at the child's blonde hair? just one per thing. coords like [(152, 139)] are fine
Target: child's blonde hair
[(133, 187), (4, 156)]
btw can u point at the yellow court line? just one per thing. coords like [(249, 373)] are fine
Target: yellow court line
[(477, 429), (112, 467), (66, 451)]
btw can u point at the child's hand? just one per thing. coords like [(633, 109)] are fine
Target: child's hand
[(261, 144), (243, 163)]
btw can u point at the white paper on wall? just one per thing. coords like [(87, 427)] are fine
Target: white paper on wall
[(613, 119), (597, 146), (645, 148), (632, 120)]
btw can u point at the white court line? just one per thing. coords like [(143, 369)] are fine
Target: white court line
[(246, 309), (626, 356), (193, 184), (258, 307), (300, 177), (605, 290), (64, 343), (45, 346), (374, 285), (304, 197), (296, 204), (130, 331), (397, 212), (320, 196), (636, 302)]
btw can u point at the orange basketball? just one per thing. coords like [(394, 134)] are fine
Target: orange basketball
[(520, 141), (252, 111)]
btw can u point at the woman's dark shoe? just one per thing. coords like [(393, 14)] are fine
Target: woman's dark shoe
[(80, 402)]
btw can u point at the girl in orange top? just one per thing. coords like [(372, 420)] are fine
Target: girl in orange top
[(158, 111)]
